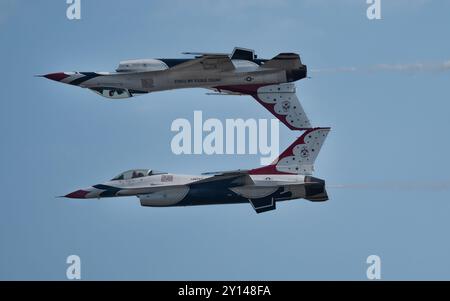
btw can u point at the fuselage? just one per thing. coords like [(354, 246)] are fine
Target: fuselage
[(287, 177), (136, 77), (160, 76), (165, 189)]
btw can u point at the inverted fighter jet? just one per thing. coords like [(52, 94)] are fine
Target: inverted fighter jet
[(270, 82), (288, 177)]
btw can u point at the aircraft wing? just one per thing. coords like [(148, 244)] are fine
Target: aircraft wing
[(228, 172), (208, 62), (132, 190), (280, 100), (241, 180), (233, 178)]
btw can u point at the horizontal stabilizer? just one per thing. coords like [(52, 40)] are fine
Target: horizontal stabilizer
[(263, 205), (243, 54)]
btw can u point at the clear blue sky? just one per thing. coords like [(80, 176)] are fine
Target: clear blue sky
[(390, 130)]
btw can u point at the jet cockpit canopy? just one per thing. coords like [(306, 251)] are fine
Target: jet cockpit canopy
[(136, 173)]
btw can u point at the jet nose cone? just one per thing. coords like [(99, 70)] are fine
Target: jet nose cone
[(56, 76), (79, 194)]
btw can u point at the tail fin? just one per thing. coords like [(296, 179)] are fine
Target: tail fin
[(299, 157)]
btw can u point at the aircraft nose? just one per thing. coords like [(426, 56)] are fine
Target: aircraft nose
[(79, 194), (56, 76)]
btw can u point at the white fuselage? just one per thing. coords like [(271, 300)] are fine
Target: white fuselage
[(160, 77), (170, 189)]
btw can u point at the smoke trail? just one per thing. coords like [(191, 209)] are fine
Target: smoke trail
[(418, 185), (411, 68)]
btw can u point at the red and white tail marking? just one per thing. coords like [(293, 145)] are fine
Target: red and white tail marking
[(299, 157), (280, 100)]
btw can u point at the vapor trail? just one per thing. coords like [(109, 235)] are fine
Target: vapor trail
[(416, 185), (411, 68)]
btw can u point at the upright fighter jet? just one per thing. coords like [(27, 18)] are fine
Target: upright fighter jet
[(288, 177), (270, 82)]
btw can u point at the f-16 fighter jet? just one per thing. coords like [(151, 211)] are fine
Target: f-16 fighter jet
[(288, 177), (270, 82)]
